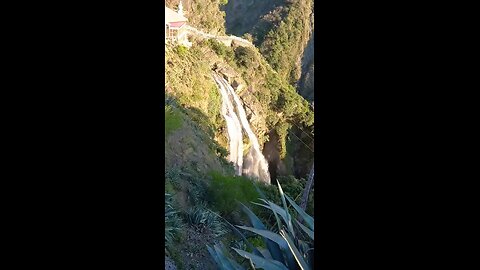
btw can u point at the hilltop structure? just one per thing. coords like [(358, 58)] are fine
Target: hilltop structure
[(175, 27)]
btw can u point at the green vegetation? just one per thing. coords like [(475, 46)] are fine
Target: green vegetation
[(274, 100), (173, 223), (281, 103), (181, 51), (272, 95), (226, 191), (221, 50), (288, 248), (173, 120), (245, 57), (283, 45), (189, 77), (248, 37), (203, 197), (203, 14), (203, 219), (192, 185)]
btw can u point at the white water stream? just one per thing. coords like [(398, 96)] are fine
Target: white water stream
[(254, 163), (234, 128)]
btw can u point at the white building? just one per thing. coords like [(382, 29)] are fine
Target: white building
[(175, 26)]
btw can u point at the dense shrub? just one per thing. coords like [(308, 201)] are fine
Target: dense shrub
[(292, 186), (225, 191), (220, 49), (245, 57), (181, 50)]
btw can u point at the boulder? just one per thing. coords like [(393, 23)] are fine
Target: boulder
[(238, 86), (225, 70)]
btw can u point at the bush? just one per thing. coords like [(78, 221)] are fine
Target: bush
[(245, 57), (181, 50), (225, 191), (292, 186), (248, 37), (221, 50), (218, 47)]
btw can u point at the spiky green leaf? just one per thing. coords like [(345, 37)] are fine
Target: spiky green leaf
[(306, 230), (306, 217), (224, 262), (273, 248), (214, 255), (289, 256), (268, 234), (289, 218), (298, 256), (236, 231), (275, 208), (260, 262)]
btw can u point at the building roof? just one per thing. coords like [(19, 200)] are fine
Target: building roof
[(172, 16), (176, 24)]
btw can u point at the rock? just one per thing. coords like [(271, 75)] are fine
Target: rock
[(225, 70), (235, 84), (238, 86)]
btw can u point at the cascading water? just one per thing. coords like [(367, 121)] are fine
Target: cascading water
[(254, 164), (234, 128)]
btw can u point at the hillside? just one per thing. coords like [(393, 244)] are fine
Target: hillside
[(202, 190), (203, 14), (283, 30)]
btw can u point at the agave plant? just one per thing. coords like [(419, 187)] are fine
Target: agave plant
[(292, 248), (173, 222), (202, 218)]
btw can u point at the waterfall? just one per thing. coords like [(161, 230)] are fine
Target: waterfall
[(254, 163), (234, 128)]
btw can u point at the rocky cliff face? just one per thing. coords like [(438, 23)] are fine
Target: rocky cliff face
[(289, 47), (305, 85)]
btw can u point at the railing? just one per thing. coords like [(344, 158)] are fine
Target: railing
[(193, 30)]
